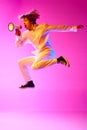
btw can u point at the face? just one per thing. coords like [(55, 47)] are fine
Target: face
[(27, 23)]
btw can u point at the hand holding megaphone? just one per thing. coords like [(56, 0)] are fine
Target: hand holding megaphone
[(12, 26), (15, 27)]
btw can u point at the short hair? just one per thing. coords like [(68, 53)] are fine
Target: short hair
[(32, 16)]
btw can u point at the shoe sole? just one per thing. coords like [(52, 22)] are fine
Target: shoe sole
[(26, 87), (67, 62)]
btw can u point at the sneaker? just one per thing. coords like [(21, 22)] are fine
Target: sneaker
[(63, 60), (28, 84)]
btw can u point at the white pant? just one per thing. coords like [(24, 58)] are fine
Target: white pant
[(41, 59)]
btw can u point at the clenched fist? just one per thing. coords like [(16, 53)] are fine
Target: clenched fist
[(17, 32)]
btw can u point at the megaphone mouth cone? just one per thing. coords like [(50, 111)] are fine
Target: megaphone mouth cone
[(10, 26)]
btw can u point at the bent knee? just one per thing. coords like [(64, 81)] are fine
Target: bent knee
[(35, 66)]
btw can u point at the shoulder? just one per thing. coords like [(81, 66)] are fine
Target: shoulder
[(25, 32), (42, 25)]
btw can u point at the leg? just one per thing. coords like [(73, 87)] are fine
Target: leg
[(23, 63), (44, 58)]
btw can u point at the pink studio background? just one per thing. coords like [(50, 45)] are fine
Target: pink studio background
[(58, 88)]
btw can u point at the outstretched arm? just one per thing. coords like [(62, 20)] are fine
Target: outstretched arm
[(62, 28)]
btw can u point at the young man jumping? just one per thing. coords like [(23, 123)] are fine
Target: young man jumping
[(38, 34)]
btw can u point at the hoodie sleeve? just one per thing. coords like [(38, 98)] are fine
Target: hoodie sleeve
[(60, 28), (20, 40)]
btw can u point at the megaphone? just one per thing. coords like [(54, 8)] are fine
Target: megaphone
[(12, 26)]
